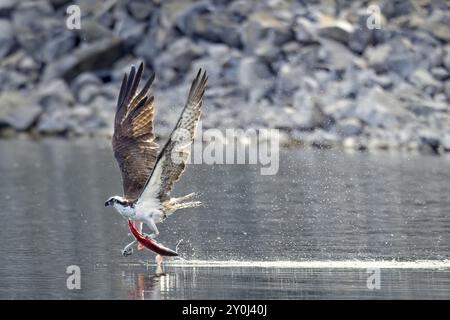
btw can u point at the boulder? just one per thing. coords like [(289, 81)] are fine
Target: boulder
[(264, 32), (6, 7), (308, 112), (349, 127), (178, 56), (254, 75), (7, 38), (423, 80), (304, 31), (337, 30), (18, 111), (200, 21), (379, 108), (55, 95), (86, 58), (85, 87), (140, 9), (40, 32)]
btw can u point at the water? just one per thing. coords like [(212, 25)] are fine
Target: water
[(320, 228)]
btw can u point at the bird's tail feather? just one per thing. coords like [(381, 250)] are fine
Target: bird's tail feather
[(190, 204)]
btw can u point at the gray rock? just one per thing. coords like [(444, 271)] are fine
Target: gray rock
[(222, 64), (54, 122), (153, 43), (395, 56), (287, 83), (308, 112), (263, 30), (59, 3), (240, 8), (426, 107), (86, 58), (83, 79), (362, 36), (55, 95), (140, 9), (440, 74), (304, 31), (429, 141), (337, 30), (7, 39), (87, 93), (393, 9), (78, 120), (349, 127), (290, 50), (377, 56), (255, 76), (383, 80), (447, 89), (6, 7), (446, 59), (130, 31), (321, 139), (18, 111), (338, 56), (12, 80), (403, 65), (58, 46), (340, 109), (379, 108), (445, 142), (310, 70), (199, 21), (40, 32), (438, 25), (20, 61), (178, 56), (93, 30), (423, 80)]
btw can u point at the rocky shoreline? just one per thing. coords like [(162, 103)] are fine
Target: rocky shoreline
[(325, 73)]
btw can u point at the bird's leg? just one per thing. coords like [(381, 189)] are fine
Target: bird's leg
[(159, 269), (159, 259), (128, 250), (152, 225)]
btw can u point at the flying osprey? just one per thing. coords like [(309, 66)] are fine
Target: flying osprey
[(148, 177)]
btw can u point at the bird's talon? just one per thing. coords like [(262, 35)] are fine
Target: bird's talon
[(127, 252)]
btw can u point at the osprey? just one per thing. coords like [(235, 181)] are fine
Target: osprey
[(148, 177)]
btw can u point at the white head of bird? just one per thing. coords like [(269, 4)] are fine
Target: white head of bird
[(123, 206)]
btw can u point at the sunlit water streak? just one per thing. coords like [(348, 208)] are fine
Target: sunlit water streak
[(349, 264)]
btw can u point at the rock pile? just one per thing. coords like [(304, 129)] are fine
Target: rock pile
[(362, 74)]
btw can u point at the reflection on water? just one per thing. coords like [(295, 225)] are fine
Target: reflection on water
[(227, 283), (322, 206)]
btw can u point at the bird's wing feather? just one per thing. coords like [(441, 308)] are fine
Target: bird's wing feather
[(173, 158), (133, 141)]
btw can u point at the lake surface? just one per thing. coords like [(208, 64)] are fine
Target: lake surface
[(320, 228)]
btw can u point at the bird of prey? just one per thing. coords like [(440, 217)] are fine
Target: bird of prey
[(148, 177)]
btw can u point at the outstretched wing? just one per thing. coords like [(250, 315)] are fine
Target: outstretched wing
[(133, 141), (173, 158)]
